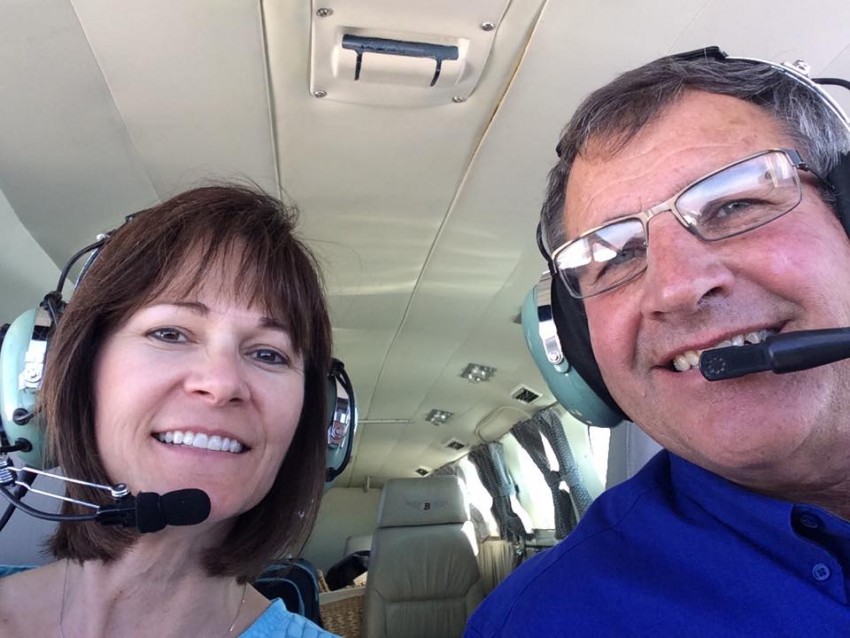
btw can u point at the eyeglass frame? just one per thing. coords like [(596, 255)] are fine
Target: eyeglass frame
[(794, 157)]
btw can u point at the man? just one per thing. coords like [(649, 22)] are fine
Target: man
[(740, 526)]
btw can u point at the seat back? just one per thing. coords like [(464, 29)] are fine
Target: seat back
[(294, 582), (424, 580)]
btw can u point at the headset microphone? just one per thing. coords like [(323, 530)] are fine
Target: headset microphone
[(151, 512), (789, 352), (147, 511)]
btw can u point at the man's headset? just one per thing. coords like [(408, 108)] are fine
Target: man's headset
[(24, 346), (555, 323)]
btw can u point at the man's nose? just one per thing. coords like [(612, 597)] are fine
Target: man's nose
[(682, 270), (218, 377)]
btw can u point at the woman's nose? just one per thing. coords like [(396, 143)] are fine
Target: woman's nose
[(218, 377)]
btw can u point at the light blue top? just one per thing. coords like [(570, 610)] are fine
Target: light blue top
[(277, 622), (8, 570)]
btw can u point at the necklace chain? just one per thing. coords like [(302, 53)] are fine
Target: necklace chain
[(238, 609), (62, 605), (65, 592)]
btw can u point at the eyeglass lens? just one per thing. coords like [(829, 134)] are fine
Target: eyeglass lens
[(734, 200)]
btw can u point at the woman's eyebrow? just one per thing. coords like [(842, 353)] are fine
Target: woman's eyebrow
[(275, 324), (199, 308), (193, 306)]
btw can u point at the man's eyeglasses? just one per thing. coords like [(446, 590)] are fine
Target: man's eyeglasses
[(732, 200)]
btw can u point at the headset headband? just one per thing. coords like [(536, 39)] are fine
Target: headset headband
[(798, 70)]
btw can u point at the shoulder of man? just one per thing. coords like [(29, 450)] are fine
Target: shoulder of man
[(562, 581)]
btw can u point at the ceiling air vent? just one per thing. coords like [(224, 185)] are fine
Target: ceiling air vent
[(526, 395), (454, 444), (421, 471)]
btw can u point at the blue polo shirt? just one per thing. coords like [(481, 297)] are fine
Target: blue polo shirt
[(679, 551)]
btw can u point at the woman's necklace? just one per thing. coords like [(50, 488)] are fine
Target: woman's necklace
[(238, 609), (65, 592), (62, 605)]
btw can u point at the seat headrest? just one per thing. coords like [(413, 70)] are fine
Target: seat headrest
[(435, 500), (357, 543)]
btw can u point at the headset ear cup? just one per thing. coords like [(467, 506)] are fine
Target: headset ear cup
[(565, 379), (571, 322), (22, 358), (342, 421)]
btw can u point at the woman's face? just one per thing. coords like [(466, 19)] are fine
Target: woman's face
[(198, 391)]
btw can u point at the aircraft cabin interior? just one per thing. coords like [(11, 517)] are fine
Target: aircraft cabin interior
[(415, 139)]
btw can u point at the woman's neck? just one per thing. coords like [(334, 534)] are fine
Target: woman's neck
[(147, 593)]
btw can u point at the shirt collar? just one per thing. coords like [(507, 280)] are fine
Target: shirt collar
[(768, 522)]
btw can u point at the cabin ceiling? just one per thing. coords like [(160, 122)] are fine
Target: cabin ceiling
[(423, 216)]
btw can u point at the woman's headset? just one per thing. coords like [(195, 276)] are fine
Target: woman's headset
[(24, 346), (555, 323)]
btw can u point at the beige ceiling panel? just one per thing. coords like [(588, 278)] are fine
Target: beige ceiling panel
[(27, 270), (359, 146), (196, 110), (839, 67), (776, 31), (397, 449), (67, 165)]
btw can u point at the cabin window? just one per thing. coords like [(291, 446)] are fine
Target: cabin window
[(479, 497), (600, 439)]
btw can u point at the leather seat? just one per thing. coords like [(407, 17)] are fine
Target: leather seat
[(423, 579)]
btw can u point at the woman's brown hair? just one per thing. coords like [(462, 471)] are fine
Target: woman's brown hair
[(279, 274)]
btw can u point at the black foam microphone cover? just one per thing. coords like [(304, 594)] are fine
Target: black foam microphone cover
[(181, 507)]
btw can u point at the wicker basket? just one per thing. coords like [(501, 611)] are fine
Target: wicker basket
[(342, 611)]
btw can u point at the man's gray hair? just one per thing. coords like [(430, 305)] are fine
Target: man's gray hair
[(614, 114)]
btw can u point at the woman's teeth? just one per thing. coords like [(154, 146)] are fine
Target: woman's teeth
[(201, 441), (690, 359)]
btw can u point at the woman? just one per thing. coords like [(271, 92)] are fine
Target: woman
[(194, 353)]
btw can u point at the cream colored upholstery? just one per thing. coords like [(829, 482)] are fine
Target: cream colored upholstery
[(424, 580)]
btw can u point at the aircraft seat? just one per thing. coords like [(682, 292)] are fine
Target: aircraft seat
[(423, 580)]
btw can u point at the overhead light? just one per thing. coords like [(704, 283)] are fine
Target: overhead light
[(476, 373), (438, 417)]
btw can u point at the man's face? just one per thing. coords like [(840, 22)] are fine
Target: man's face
[(764, 430)]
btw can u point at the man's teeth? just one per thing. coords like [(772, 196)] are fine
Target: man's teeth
[(201, 441), (690, 359)]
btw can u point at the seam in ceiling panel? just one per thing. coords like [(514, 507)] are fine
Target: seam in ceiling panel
[(462, 181), (131, 142), (270, 98)]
